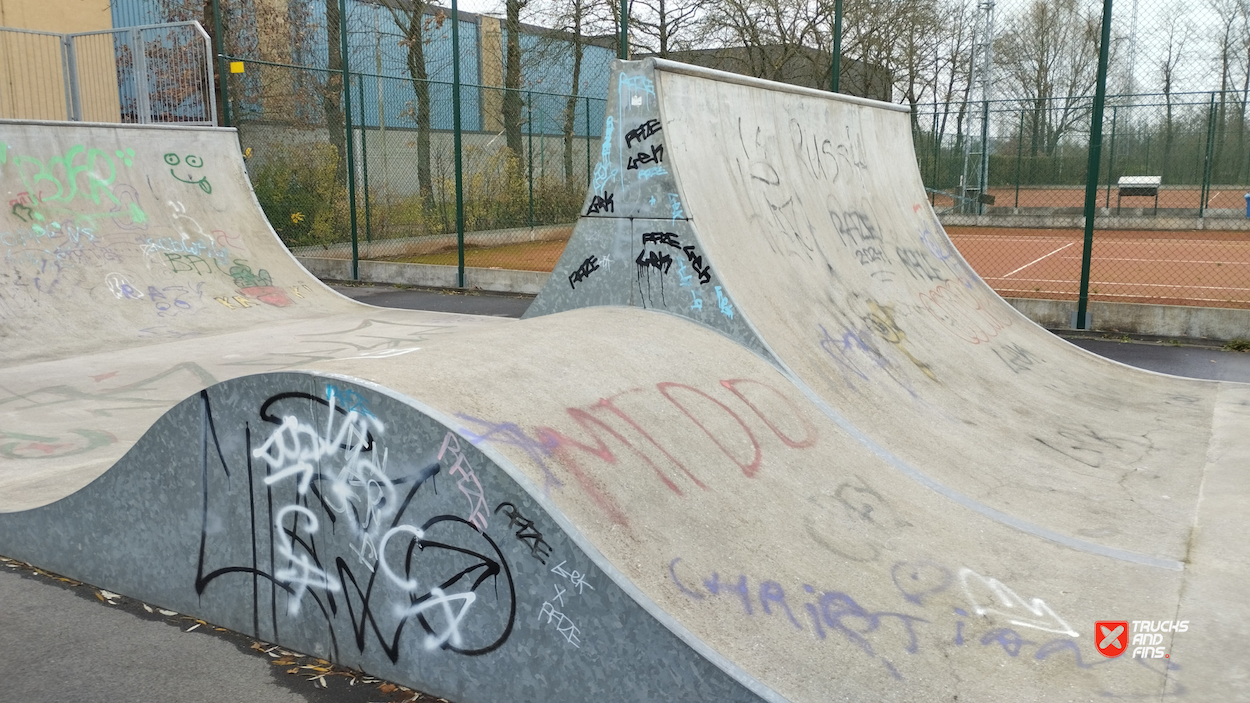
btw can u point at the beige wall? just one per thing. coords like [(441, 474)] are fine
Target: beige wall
[(32, 84), (491, 43)]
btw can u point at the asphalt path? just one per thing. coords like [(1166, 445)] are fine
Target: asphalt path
[(60, 640)]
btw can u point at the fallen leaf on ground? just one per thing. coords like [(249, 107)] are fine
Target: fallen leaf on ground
[(387, 687), (193, 627), (167, 613)]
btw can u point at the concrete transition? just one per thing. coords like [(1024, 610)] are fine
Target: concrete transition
[(765, 437)]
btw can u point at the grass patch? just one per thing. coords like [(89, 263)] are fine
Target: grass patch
[(1237, 345)]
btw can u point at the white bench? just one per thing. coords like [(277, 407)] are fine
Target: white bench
[(1138, 186)]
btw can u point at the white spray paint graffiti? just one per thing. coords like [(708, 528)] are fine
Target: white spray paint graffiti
[(300, 573), (341, 456), (1034, 613), (479, 512)]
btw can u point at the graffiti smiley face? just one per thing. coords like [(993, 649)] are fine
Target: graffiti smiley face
[(190, 161)]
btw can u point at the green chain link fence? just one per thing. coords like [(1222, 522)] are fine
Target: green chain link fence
[(404, 173), (1004, 150)]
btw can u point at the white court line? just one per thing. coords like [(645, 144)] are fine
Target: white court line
[(1034, 261), (983, 238)]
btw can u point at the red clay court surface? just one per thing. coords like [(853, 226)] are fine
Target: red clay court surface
[(1201, 268), (1221, 197)]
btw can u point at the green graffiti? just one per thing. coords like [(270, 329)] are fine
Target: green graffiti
[(192, 161), (244, 278), (62, 174), (57, 187)]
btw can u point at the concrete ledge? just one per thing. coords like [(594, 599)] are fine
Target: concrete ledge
[(498, 280), (1221, 324), (1057, 219), (430, 243)]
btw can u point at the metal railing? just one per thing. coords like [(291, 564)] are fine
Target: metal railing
[(159, 73)]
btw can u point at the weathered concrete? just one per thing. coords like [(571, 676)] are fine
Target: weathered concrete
[(497, 280), (426, 244), (1163, 320), (128, 284), (1132, 218), (810, 212)]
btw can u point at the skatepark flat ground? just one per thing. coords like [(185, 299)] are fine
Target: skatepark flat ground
[(59, 641)]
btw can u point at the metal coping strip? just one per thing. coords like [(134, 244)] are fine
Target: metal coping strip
[(727, 77)]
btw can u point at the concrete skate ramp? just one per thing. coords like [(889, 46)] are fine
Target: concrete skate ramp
[(617, 504), (795, 222), (806, 487), (137, 270), (128, 235)]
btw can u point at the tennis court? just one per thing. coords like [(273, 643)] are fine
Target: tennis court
[(1202, 268)]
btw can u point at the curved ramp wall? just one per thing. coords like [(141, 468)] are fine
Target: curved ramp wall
[(347, 522), (130, 235), (809, 212)]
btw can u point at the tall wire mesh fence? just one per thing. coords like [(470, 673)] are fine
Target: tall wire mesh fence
[(146, 74), (1004, 151), (525, 195), (1002, 96)]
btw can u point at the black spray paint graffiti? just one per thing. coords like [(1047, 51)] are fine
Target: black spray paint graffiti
[(326, 482), (670, 239), (643, 158), (642, 132), (526, 532), (589, 266), (654, 259), (919, 265), (1017, 358), (601, 204)]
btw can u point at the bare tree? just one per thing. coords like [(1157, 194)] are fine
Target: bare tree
[(1049, 57), (332, 90), (665, 25), (1179, 33), (413, 22), (512, 101)]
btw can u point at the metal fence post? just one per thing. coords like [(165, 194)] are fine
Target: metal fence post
[(143, 98), (1091, 173), (347, 128), (456, 137), (587, 142), (73, 100), (835, 82), (622, 49), (223, 75), (1019, 156), (1115, 113), (529, 129), (1208, 159), (364, 155)]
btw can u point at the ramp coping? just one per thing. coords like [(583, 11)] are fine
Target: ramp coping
[(161, 127), (751, 82)]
